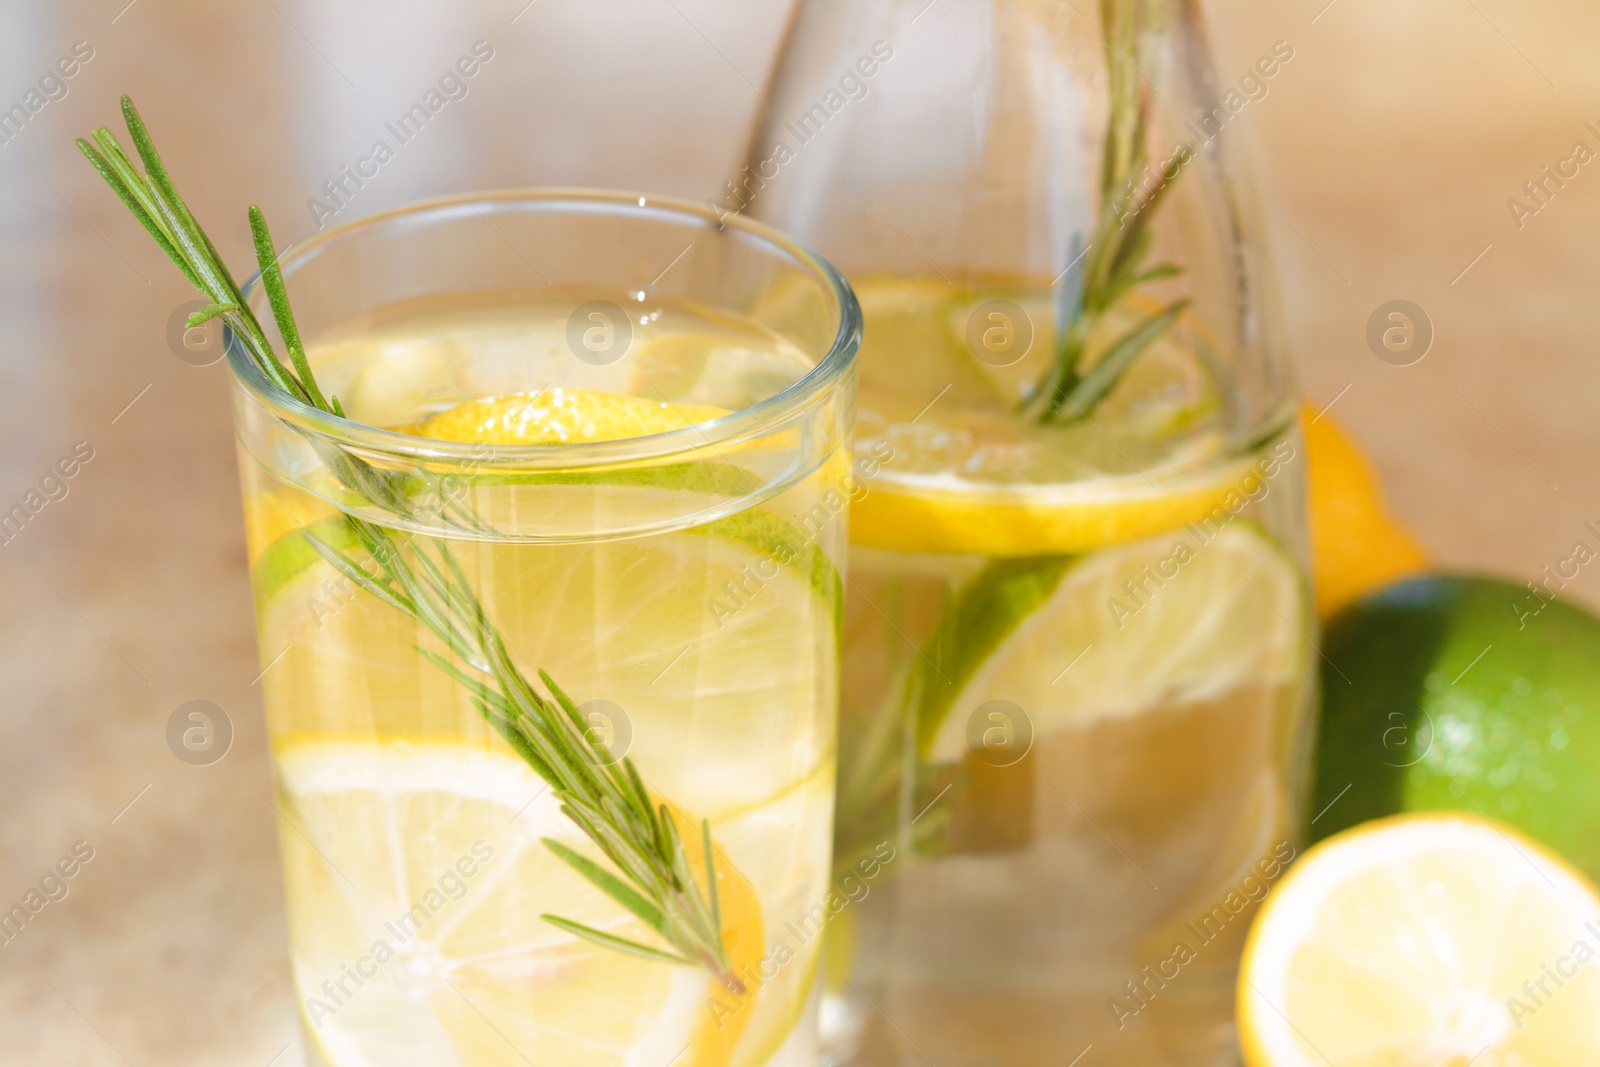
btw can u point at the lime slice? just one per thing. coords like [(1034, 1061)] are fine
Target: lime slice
[(1069, 641), (567, 415), (722, 711), (771, 537), (290, 554), (416, 879), (1433, 939)]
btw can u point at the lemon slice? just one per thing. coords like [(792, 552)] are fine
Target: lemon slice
[(379, 751), (559, 416), (988, 521), (1439, 940), (1069, 641), (717, 709), (964, 474), (690, 634), (416, 879)]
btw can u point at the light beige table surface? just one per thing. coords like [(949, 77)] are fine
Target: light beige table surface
[(1388, 149)]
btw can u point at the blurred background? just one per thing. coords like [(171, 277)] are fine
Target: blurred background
[(1384, 158)]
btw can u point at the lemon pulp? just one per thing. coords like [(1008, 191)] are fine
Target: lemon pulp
[(559, 416), (415, 872), (434, 896), (1439, 939)]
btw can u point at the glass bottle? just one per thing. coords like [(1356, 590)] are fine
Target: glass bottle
[(1076, 666)]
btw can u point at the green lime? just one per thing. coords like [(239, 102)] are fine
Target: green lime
[(1469, 693)]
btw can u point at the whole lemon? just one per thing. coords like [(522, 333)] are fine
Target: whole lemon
[(1356, 545)]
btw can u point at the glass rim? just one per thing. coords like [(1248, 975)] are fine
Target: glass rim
[(742, 424)]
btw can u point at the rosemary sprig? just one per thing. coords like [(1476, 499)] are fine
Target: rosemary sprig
[(605, 797), (1113, 263)]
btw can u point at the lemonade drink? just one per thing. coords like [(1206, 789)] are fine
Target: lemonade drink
[(1076, 671), (681, 581)]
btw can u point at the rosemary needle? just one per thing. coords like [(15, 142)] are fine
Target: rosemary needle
[(1114, 260)]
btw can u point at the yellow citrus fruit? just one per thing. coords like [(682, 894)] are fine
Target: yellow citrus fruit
[(388, 802), (1036, 520), (969, 477), (268, 515), (566, 416), (417, 876), (1356, 545), (561, 416), (1440, 940)]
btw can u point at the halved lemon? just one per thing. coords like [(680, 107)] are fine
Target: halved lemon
[(1426, 940)]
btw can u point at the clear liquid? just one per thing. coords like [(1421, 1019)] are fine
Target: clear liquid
[(1092, 887), (412, 836)]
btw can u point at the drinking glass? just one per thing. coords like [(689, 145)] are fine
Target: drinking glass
[(592, 468), (1077, 634)]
